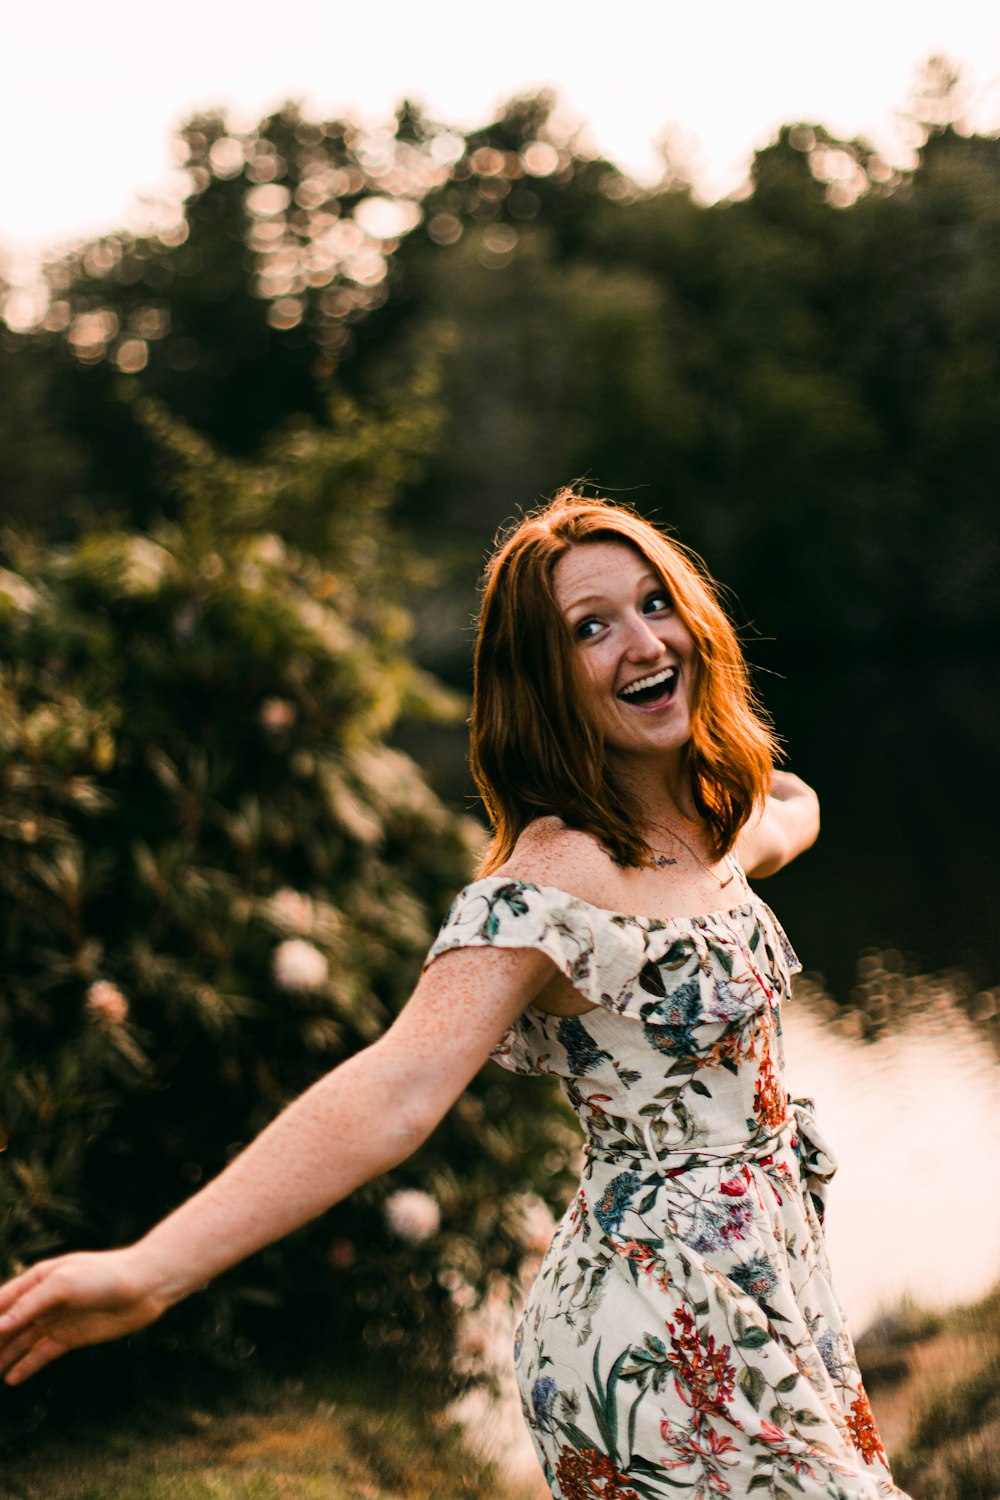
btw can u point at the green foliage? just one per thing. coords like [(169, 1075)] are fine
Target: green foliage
[(219, 879), (803, 386), (803, 380)]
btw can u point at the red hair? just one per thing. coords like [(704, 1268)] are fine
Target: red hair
[(533, 754)]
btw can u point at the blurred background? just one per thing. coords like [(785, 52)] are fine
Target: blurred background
[(297, 308)]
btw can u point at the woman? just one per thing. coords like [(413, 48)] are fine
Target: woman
[(682, 1333)]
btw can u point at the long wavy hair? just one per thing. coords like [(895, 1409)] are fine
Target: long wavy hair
[(533, 753)]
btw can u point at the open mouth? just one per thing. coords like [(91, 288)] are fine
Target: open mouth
[(658, 687)]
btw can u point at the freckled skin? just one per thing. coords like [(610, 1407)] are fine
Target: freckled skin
[(314, 1153)]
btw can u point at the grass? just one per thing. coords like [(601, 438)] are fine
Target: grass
[(934, 1382), (935, 1387), (290, 1440)]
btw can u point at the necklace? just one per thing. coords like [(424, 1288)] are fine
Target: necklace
[(660, 859)]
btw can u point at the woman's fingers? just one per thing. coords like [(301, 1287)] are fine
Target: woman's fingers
[(40, 1355), (18, 1287), (16, 1348), (63, 1304), (42, 1288)]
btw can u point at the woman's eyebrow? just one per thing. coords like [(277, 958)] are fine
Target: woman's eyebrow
[(641, 583), (585, 600)]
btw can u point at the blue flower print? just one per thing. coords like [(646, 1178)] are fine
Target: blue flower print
[(543, 1399), (582, 1051), (616, 1200), (730, 1000), (510, 896), (755, 1276), (668, 1023)]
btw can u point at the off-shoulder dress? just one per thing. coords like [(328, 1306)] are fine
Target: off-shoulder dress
[(682, 1336)]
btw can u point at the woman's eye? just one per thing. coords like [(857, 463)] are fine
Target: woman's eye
[(658, 602), (586, 629)]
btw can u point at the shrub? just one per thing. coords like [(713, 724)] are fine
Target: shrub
[(221, 878)]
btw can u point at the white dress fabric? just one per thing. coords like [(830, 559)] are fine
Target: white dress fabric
[(682, 1337)]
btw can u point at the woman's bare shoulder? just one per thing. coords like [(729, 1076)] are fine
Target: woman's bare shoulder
[(549, 853)]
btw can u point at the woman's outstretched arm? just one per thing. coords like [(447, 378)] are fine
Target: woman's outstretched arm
[(364, 1117), (787, 824)]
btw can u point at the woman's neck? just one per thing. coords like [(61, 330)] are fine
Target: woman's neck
[(663, 793)]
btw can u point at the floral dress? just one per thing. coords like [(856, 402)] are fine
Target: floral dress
[(682, 1336)]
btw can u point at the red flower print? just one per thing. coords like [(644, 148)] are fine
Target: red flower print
[(769, 1100), (734, 1188), (704, 1369), (771, 1434), (700, 1444), (583, 1473), (778, 1442), (864, 1433), (644, 1257)]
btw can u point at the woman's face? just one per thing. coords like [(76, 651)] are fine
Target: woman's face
[(636, 658)]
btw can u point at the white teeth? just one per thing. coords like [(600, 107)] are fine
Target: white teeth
[(666, 675)]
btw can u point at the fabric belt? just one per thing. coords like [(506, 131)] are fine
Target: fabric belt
[(671, 1163), (800, 1133)]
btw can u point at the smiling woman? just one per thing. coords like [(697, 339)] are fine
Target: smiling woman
[(682, 1333), (638, 607)]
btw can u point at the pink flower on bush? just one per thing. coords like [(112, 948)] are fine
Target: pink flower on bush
[(341, 1255), (533, 1222), (277, 713), (106, 1001), (292, 909), (299, 966), (412, 1215)]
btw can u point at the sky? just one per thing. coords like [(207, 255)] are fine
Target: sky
[(90, 94)]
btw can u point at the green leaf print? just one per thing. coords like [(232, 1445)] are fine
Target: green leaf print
[(754, 1338), (574, 1435), (632, 1418), (789, 1383), (676, 954), (753, 1385), (651, 980), (602, 1425), (725, 959)]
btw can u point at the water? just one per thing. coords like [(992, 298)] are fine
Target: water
[(914, 1119)]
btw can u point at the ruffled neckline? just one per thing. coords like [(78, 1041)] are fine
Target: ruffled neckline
[(651, 923)]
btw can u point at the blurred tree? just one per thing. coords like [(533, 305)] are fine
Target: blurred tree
[(795, 378), (219, 880), (240, 310), (757, 373)]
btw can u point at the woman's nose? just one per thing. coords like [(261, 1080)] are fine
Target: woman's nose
[(643, 643)]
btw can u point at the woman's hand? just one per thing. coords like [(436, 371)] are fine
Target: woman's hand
[(65, 1303), (787, 824)]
